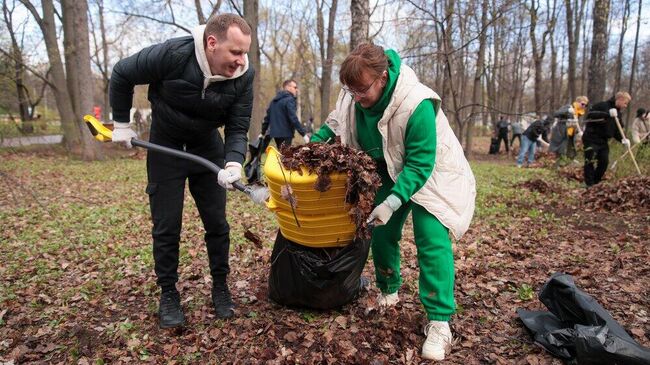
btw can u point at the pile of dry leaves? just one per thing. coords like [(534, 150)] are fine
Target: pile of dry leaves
[(631, 193), (572, 172), (537, 185), (324, 159)]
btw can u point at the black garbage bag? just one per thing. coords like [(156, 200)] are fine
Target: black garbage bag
[(578, 329), (252, 167), (316, 278), (494, 146)]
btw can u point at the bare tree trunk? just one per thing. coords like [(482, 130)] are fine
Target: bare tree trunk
[(104, 49), (71, 134), (573, 44), (555, 93), (251, 14), (633, 67), (619, 56), (477, 91), (539, 50), (19, 73), (199, 11), (597, 66), (79, 76), (360, 12), (327, 56), (583, 62)]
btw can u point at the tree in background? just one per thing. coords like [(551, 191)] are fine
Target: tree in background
[(71, 82)]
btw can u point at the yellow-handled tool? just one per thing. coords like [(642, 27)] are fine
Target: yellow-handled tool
[(98, 130), (259, 194)]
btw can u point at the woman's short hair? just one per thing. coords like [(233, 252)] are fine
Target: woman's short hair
[(365, 57)]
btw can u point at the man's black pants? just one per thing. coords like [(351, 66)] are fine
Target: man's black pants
[(282, 140), (504, 138), (166, 189), (596, 161), (512, 140)]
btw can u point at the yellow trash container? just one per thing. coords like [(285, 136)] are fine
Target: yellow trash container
[(322, 217)]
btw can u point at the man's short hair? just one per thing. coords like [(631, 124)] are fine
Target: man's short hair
[(285, 83), (219, 24), (623, 95)]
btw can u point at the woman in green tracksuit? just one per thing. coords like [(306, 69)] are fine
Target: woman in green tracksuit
[(384, 110)]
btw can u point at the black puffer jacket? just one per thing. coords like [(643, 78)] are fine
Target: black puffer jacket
[(600, 126), (181, 109)]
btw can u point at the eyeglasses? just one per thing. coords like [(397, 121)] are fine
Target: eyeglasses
[(583, 104), (359, 93)]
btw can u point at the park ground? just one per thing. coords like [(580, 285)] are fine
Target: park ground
[(78, 285)]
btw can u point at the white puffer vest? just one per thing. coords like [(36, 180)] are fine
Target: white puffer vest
[(450, 191)]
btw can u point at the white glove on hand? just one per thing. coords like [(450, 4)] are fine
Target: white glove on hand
[(613, 113), (122, 132), (382, 213), (306, 137), (572, 111), (625, 142), (230, 174)]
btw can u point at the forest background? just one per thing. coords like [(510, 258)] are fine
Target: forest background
[(521, 58)]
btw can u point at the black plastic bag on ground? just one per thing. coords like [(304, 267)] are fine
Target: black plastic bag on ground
[(578, 329), (316, 278)]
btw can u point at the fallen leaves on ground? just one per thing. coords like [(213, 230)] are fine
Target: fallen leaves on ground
[(78, 283)]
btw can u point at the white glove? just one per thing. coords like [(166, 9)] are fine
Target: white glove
[(260, 136), (613, 113), (579, 135), (306, 138), (625, 142), (230, 174), (122, 132), (572, 111), (382, 213)]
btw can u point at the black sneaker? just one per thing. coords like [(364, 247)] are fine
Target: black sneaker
[(222, 301), (170, 312)]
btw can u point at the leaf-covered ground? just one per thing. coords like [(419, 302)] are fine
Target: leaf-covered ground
[(78, 285)]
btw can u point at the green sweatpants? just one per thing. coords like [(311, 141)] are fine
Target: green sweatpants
[(435, 257)]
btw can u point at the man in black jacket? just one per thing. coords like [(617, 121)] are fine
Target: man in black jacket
[(502, 132), (530, 137), (281, 120), (196, 84), (600, 127)]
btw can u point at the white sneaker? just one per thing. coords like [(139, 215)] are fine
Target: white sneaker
[(387, 300), (438, 342)]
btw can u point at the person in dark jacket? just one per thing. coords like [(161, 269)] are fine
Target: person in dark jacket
[(196, 84), (567, 127), (517, 130), (600, 127), (281, 120), (502, 133), (529, 139)]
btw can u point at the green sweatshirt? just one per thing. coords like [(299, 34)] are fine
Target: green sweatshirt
[(419, 139)]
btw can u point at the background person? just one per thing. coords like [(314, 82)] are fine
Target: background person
[(566, 128), (599, 128), (530, 137), (502, 133), (281, 120), (641, 127), (517, 130)]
